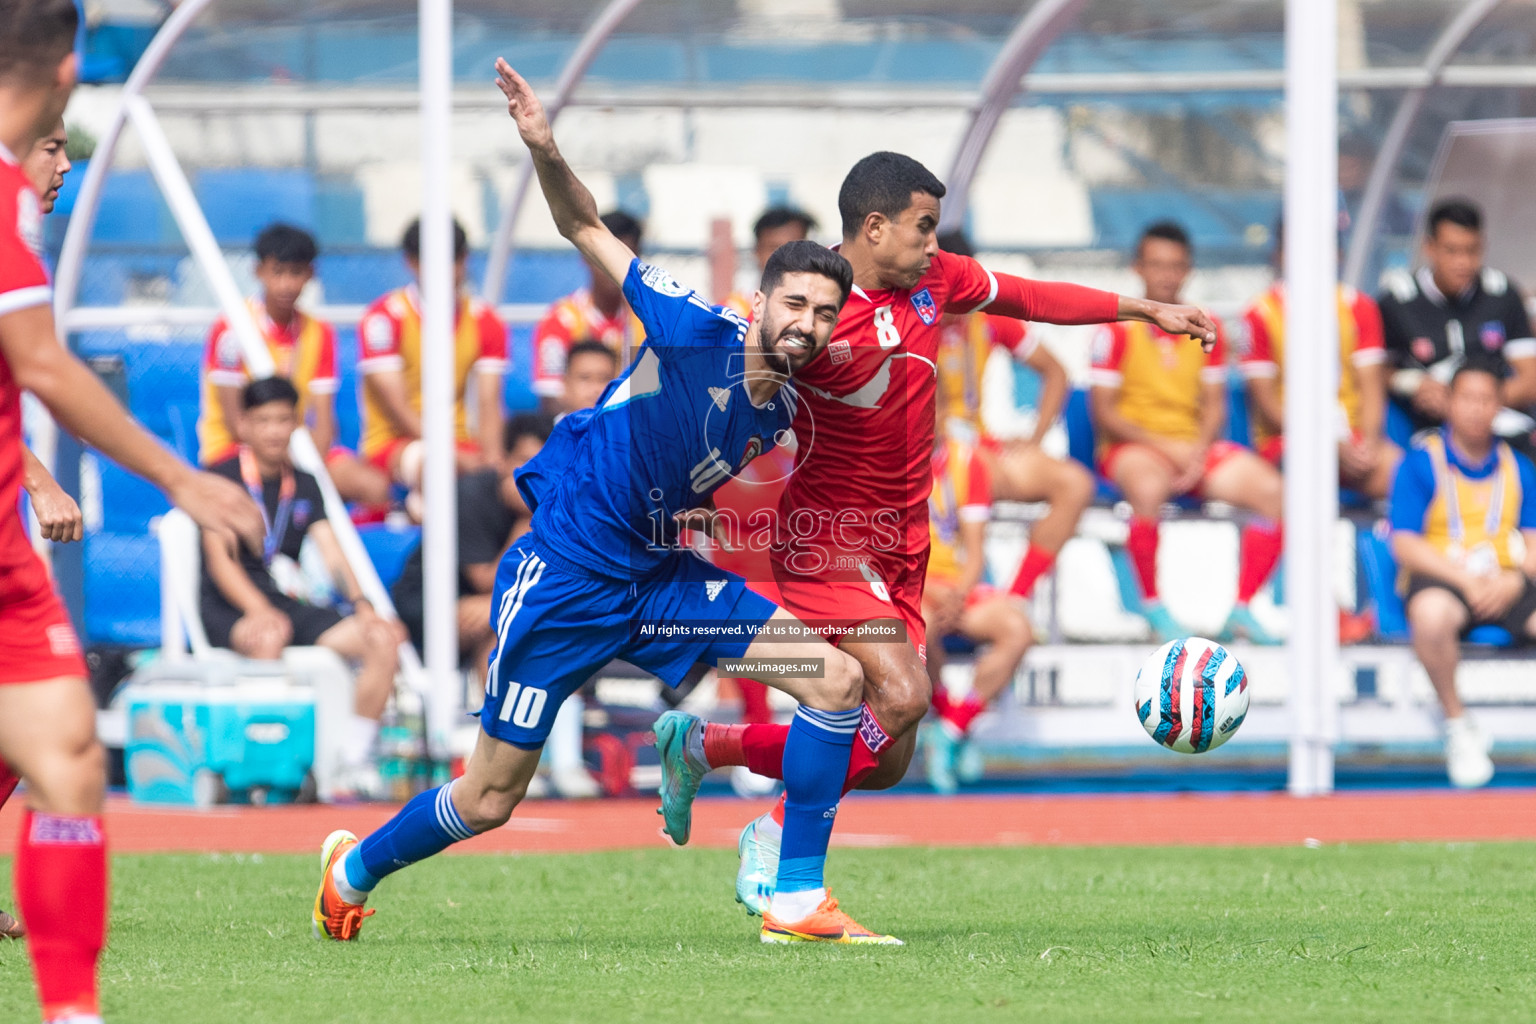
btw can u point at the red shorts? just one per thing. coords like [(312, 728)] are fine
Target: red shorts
[(37, 641), (1273, 450), (1218, 453), (980, 594), (384, 458), (837, 603)]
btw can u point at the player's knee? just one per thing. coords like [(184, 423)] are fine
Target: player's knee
[(844, 682), (1077, 486), (1430, 617), (905, 696), (71, 779)]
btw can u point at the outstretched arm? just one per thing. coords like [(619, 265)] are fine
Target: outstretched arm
[(570, 203), (1056, 302)]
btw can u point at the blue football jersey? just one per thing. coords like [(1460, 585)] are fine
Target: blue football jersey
[(674, 427)]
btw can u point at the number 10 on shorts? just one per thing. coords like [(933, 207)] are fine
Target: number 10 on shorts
[(523, 706)]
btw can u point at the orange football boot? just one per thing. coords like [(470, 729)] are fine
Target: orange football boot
[(334, 917), (824, 924)]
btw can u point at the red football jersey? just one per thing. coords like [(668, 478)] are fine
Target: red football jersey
[(23, 284), (865, 426)]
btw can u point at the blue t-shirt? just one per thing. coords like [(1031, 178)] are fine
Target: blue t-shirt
[(1413, 489), (674, 427)]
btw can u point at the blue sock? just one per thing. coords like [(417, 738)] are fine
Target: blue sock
[(815, 765), (428, 824)]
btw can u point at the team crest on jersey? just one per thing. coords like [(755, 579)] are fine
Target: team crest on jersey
[(658, 280), (1423, 349), (754, 449), (378, 333), (926, 310), (1492, 335), (840, 352), (29, 221)]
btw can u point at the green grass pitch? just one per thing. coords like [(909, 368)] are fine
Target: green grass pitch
[(1359, 934)]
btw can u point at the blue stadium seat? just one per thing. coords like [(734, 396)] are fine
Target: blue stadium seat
[(128, 502), (1380, 577), (348, 411), (389, 548), (1239, 426), (132, 212), (239, 202), (340, 217), (122, 589), (1399, 428)]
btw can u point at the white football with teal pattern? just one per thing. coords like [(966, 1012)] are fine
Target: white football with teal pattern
[(1191, 695)]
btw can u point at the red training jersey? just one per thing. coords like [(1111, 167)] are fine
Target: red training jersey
[(23, 285)]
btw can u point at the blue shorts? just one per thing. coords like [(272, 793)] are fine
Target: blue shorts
[(556, 624)]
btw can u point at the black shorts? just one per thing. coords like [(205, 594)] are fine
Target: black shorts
[(309, 620), (1514, 620)]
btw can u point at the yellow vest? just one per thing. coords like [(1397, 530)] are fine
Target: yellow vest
[(1271, 309), (951, 493), (299, 363), (377, 431), (1160, 385), (1474, 522), (965, 343)]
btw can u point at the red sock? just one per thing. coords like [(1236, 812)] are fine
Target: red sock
[(1260, 552), (759, 746), (960, 714), (8, 781), (1142, 545), (754, 701), (1036, 564), (61, 891), (764, 747)]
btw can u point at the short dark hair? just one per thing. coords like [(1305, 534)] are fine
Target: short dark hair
[(1497, 372), (1167, 231), (592, 347), (35, 35), (1464, 213), (268, 390), (782, 216), (526, 424), (286, 244), (625, 228), (410, 242), (804, 256), (883, 183), (956, 242)]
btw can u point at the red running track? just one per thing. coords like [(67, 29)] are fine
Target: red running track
[(1130, 820)]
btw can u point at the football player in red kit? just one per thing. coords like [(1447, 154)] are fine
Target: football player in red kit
[(854, 518), (47, 714)]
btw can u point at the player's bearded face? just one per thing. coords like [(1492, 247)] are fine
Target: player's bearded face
[(797, 321)]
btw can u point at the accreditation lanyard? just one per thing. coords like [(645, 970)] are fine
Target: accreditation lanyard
[(277, 525), (1494, 514)]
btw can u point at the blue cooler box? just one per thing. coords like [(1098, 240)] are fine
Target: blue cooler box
[(204, 733)]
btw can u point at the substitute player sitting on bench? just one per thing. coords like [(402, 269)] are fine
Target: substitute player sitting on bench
[(244, 603), (1159, 404), (1464, 532)]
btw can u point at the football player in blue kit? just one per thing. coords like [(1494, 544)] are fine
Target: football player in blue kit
[(602, 574)]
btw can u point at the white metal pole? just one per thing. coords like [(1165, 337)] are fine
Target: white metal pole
[(438, 302), (1311, 385)]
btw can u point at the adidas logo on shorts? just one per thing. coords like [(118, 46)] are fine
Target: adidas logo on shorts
[(712, 588)]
